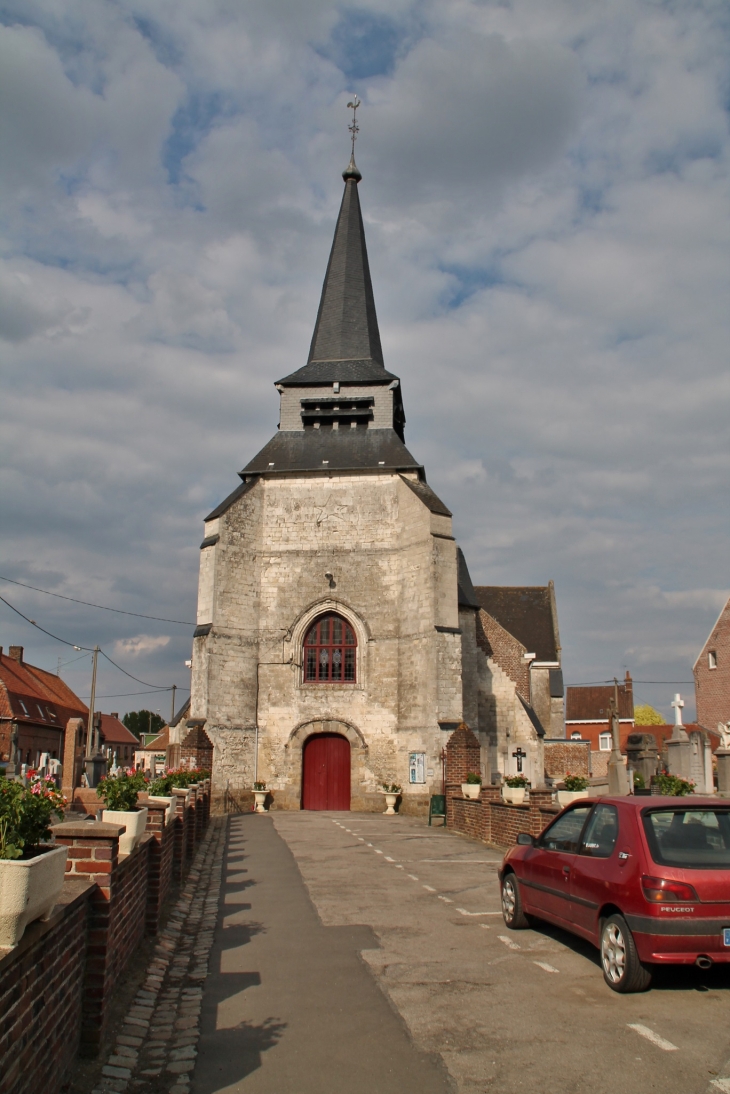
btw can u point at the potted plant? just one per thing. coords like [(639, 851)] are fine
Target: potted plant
[(514, 789), (673, 785), (119, 793), (391, 791), (159, 791), (31, 869), (575, 786), (259, 793), (472, 786)]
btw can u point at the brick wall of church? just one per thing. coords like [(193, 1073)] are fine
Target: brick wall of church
[(712, 685)]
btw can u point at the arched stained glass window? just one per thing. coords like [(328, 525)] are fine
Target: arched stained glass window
[(330, 651)]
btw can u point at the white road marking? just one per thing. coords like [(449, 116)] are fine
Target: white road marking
[(508, 942), (370, 845), (377, 852), (446, 899), (650, 1035), (413, 877), (485, 926), (398, 866), (361, 839), (389, 859), (464, 912), (430, 888), (721, 1084), (544, 965)]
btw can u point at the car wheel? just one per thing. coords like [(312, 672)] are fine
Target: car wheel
[(512, 911), (622, 969)]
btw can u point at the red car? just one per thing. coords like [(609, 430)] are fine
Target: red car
[(646, 879)]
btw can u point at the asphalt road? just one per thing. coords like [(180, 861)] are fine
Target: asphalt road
[(504, 1011)]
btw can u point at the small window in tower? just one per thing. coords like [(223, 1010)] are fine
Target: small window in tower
[(330, 650), (712, 659), (604, 742)]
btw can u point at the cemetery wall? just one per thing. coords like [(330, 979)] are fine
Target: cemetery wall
[(57, 984)]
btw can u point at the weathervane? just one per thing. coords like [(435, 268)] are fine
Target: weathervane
[(354, 127)]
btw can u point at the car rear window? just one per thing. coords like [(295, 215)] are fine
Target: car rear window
[(694, 839)]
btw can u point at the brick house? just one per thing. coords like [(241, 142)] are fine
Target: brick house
[(521, 679), (587, 718), (35, 706), (117, 741), (712, 675)]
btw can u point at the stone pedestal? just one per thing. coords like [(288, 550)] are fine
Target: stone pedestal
[(723, 771), (679, 756), (618, 778)]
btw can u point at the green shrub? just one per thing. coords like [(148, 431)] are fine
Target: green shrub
[(391, 788), (473, 777), (575, 783), (672, 785), (26, 814), (119, 792), (639, 783)]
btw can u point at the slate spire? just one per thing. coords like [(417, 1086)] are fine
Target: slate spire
[(347, 326)]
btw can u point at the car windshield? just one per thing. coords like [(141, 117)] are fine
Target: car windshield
[(694, 839)]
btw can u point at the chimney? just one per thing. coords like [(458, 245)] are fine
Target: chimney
[(16, 652), (115, 714), (629, 689)]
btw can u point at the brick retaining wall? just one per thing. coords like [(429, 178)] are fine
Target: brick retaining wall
[(56, 985)]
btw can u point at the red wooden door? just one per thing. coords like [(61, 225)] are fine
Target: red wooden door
[(326, 772)]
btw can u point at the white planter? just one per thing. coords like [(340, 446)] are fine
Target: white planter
[(260, 796), (390, 800), (471, 790), (29, 889), (134, 823), (515, 795), (169, 802), (565, 797)]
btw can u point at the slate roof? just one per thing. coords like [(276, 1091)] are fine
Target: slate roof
[(114, 732), (241, 489), (331, 450), (158, 743), (467, 594), (346, 340), (530, 712), (423, 491), (182, 713), (525, 611), (591, 704), (32, 696)]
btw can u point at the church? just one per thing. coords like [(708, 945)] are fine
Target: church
[(338, 639)]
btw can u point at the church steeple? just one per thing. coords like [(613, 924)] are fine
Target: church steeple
[(346, 340)]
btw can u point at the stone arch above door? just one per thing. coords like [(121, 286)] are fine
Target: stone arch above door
[(325, 725)]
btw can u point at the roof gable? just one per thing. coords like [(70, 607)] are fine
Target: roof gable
[(525, 612)]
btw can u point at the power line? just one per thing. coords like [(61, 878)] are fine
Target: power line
[(124, 694), (89, 604), (55, 637), (595, 683)]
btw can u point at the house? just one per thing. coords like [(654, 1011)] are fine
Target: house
[(521, 679), (152, 755), (35, 706), (117, 741), (587, 718), (712, 675)]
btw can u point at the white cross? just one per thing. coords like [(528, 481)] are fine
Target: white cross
[(678, 703)]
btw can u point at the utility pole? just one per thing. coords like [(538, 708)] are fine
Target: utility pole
[(618, 783), (92, 701), (172, 712)]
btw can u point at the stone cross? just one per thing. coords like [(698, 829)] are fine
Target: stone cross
[(519, 755), (678, 703)]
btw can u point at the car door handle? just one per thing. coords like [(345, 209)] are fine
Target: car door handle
[(566, 870), (623, 857)]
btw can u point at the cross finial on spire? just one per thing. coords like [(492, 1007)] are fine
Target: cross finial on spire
[(354, 127)]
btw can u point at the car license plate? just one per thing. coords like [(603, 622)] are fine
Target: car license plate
[(726, 936)]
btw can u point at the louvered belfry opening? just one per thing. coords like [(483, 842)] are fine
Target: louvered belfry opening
[(330, 651)]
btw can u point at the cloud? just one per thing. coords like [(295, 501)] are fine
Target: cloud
[(141, 644), (545, 201)]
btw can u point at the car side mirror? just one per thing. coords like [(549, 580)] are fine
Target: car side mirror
[(525, 839)]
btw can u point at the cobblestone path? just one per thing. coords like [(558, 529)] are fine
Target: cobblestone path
[(156, 1048)]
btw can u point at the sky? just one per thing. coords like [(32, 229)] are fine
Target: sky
[(545, 195)]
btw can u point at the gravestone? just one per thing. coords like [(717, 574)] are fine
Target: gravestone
[(679, 748), (643, 755)]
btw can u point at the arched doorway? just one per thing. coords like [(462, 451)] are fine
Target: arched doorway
[(326, 772)]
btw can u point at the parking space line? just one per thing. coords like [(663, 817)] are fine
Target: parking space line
[(430, 888), (413, 877), (377, 852), (398, 866), (464, 912), (508, 942), (484, 926), (446, 899), (721, 1084), (544, 965), (389, 859), (650, 1035)]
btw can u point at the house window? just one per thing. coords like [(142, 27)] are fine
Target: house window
[(575, 735), (605, 742), (712, 659), (329, 651)]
